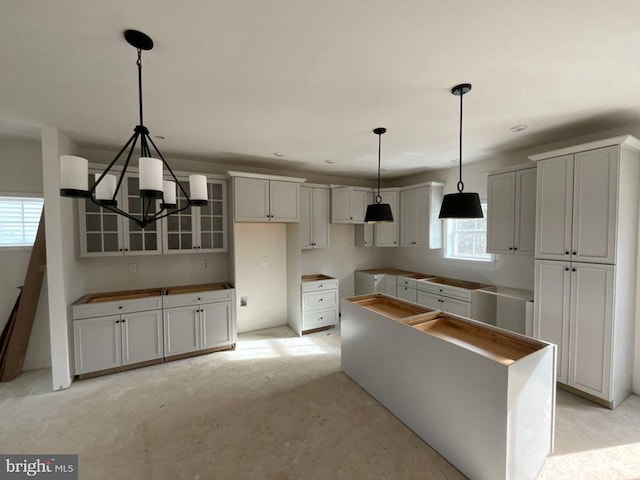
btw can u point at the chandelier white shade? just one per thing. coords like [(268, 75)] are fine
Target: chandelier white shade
[(169, 193), (106, 189), (74, 176), (198, 186), (150, 177)]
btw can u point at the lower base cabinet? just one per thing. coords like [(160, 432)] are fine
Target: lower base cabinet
[(446, 304), (115, 334), (319, 300)]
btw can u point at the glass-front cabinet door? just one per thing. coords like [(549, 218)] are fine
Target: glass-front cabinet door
[(100, 229), (179, 228), (138, 241)]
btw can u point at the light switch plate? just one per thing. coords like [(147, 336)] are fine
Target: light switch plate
[(265, 261)]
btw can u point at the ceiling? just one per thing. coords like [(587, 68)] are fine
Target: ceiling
[(238, 80)]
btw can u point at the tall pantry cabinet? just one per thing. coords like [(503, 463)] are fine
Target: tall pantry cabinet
[(585, 269)]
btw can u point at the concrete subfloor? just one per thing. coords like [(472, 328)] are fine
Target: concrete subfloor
[(276, 408)]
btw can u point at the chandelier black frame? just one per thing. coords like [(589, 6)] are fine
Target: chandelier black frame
[(140, 41)]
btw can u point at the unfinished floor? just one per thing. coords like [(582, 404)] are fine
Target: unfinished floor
[(276, 408)]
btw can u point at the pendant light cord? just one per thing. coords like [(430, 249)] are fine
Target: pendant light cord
[(378, 197), (460, 185), (139, 63)]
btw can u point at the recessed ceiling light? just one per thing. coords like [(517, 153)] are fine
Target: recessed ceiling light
[(518, 128), (159, 137), (278, 154), (330, 162)]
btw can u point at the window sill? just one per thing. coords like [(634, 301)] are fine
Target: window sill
[(471, 260), (15, 248)]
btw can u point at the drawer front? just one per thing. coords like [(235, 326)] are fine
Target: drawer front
[(456, 307), (186, 299), (102, 309), (406, 282), (446, 290), (319, 300), (320, 285), (406, 293), (321, 318)]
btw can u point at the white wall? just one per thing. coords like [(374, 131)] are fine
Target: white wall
[(21, 160), (264, 286), (342, 258)]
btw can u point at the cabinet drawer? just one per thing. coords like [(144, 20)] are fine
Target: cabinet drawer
[(446, 290), (196, 298), (407, 293), (320, 318), (102, 309), (323, 299), (320, 285), (406, 282)]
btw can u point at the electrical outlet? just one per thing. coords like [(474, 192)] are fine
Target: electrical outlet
[(243, 301), (265, 261), (133, 268), (202, 264)]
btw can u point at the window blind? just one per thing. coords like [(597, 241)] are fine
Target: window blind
[(19, 219)]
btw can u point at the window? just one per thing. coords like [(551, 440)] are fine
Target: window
[(19, 220), (467, 238)]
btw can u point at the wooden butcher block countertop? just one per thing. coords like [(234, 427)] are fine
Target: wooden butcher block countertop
[(149, 292), (394, 271), (315, 277)]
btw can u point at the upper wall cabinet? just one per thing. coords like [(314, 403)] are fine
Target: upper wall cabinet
[(419, 210), (198, 229), (266, 198), (314, 217), (511, 212), (105, 233), (348, 205), (364, 231), (577, 206)]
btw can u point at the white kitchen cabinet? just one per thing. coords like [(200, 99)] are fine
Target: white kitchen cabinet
[(368, 282), (390, 286), (314, 217), (511, 212), (348, 205), (446, 304), (419, 222), (265, 198), (111, 332), (198, 320), (574, 310), (451, 296), (587, 217), (388, 234), (104, 233), (577, 211), (364, 231), (320, 302), (407, 293), (198, 229)]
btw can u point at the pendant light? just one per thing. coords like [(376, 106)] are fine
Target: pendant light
[(461, 204), (379, 212), (74, 171)]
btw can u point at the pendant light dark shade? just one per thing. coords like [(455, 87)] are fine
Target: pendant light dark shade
[(379, 212), (461, 204)]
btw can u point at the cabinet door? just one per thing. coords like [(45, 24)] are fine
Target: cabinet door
[(341, 205), (595, 193), (284, 201), (211, 222), (251, 199), (364, 231), (179, 232), (100, 229), (215, 321), (306, 217), (407, 218), (390, 286), (591, 328), (551, 309), (424, 233), (429, 300), (525, 212), (378, 283), (501, 191), (98, 343), (142, 336), (358, 206), (407, 293), (386, 234), (139, 241), (456, 307), (181, 332), (554, 206), (320, 217)]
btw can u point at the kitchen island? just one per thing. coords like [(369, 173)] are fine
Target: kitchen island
[(484, 398)]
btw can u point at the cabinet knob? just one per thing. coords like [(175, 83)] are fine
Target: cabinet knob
[(321, 318), (199, 298), (194, 246), (120, 307), (321, 299), (440, 289), (510, 248), (515, 248), (574, 253), (573, 269), (126, 249), (124, 320), (319, 286), (117, 321), (566, 253), (120, 249), (566, 269)]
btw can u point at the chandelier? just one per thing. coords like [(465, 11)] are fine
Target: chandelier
[(74, 171)]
